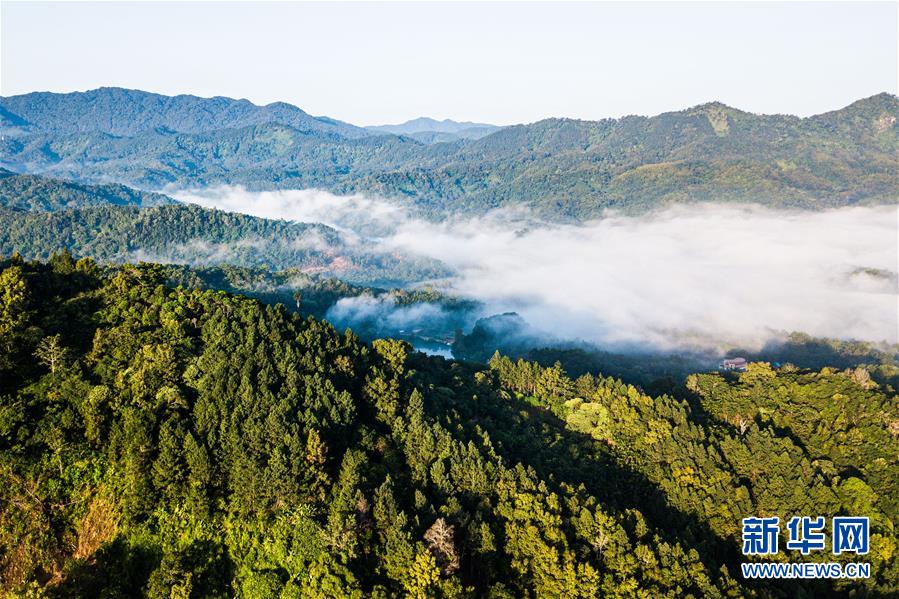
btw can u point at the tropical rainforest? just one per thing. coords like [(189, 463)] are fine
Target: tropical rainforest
[(39, 215), (169, 442), (199, 403)]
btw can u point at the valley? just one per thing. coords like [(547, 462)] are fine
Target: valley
[(251, 352)]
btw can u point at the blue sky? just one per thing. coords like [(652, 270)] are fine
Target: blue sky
[(509, 62)]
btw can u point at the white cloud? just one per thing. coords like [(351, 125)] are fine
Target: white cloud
[(344, 213), (384, 312), (711, 274)]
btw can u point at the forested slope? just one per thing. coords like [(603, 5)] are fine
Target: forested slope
[(189, 234), (562, 168), (173, 443), (178, 233), (33, 193), (126, 112)]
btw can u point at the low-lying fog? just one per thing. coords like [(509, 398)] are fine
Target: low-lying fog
[(703, 276)]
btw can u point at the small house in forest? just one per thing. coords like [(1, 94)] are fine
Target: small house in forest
[(733, 364)]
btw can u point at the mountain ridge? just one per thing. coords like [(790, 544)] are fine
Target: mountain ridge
[(40, 194), (565, 169), (122, 111), (114, 224), (429, 130), (415, 125)]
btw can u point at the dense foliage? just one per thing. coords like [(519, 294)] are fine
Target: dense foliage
[(665, 370), (189, 234), (181, 442), (308, 294), (561, 167), (168, 233), (315, 295), (33, 193)]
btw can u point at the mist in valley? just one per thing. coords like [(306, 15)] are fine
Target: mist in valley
[(700, 277)]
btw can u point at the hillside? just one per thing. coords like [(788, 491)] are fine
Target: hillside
[(126, 112), (260, 156), (563, 168), (170, 442), (114, 223), (710, 152), (436, 137), (428, 130), (32, 193), (189, 234), (179, 232), (423, 124)]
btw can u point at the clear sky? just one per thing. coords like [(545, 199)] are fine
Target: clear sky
[(372, 63)]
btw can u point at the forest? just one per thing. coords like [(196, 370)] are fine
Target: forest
[(40, 194), (652, 368), (449, 300), (188, 234), (177, 441), (562, 169)]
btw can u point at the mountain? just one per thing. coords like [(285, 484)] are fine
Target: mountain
[(564, 169), (125, 112), (423, 124), (13, 124), (168, 442), (189, 234), (428, 130), (116, 224), (175, 233), (433, 137), (33, 193), (260, 156)]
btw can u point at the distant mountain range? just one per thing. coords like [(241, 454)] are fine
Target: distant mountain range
[(125, 112), (423, 124), (563, 168), (429, 130)]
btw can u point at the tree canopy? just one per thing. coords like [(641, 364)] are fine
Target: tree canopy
[(173, 442)]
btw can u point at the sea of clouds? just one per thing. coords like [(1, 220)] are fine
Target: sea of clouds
[(702, 275)]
